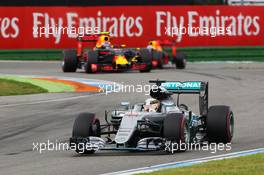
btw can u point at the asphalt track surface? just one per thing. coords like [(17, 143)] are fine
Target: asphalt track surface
[(38, 118)]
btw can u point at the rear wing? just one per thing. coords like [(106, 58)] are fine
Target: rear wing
[(167, 43), (182, 87), (91, 37), (171, 44), (187, 87)]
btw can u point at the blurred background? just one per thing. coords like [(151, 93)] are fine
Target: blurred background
[(134, 23)]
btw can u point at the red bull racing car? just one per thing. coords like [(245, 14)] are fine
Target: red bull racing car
[(104, 56), (161, 57)]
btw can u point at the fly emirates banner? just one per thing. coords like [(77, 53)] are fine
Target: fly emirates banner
[(58, 27)]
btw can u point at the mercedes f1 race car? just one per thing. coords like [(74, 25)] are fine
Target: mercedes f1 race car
[(104, 56), (156, 123), (160, 57)]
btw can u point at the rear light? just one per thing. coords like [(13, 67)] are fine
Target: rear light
[(94, 67), (103, 53), (107, 68), (138, 66), (154, 63)]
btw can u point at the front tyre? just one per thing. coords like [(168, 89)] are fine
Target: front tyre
[(85, 125), (220, 124), (175, 130), (70, 60)]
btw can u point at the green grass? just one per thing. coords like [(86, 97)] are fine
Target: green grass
[(47, 85), (32, 54), (245, 53), (11, 87), (247, 165)]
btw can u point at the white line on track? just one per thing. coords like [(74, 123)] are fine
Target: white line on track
[(52, 100), (186, 162)]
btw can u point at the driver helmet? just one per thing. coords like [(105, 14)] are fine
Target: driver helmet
[(151, 105), (103, 41), (150, 45)]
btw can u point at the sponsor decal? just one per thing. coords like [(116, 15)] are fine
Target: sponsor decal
[(57, 27), (192, 85)]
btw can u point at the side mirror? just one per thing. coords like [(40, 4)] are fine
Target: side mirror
[(125, 103)]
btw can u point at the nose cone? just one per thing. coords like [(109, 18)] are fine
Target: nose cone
[(126, 129)]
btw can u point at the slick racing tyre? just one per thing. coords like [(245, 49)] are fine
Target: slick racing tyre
[(86, 125), (180, 60), (70, 61), (146, 58), (175, 129), (158, 56), (220, 124), (91, 61)]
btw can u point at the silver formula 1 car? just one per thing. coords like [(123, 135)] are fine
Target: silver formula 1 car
[(156, 123)]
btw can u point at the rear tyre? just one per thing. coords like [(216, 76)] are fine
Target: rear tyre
[(92, 60), (175, 129), (220, 124), (86, 125), (159, 57), (146, 58), (70, 61), (180, 60)]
